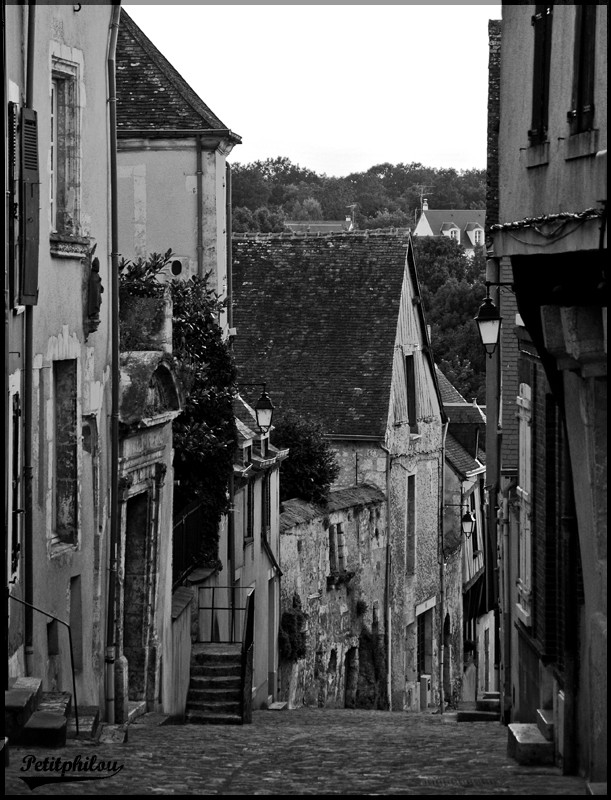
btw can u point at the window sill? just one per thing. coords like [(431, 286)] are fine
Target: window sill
[(537, 155), (581, 145), (248, 541), (523, 615), (63, 245), (58, 547)]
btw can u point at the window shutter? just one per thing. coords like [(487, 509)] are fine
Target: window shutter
[(542, 23), (581, 115), (13, 114), (30, 206)]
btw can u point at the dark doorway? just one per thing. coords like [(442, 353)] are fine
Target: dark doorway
[(135, 622)]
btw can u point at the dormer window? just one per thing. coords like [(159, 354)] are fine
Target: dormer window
[(454, 234), (478, 236)]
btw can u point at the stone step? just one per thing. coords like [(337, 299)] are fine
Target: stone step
[(194, 717), (88, 723), (213, 706), (488, 704), (215, 695), (468, 715), (277, 706), (19, 705), (545, 723), (527, 745), (56, 703), (227, 682), (45, 729), (216, 670), (596, 788)]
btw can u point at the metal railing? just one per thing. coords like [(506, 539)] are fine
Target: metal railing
[(61, 621), (224, 606)]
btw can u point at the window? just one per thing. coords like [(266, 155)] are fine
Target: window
[(542, 24), (333, 562), (249, 528), (64, 183), (410, 526), (424, 644), (454, 233), (66, 453), (410, 385), (341, 547), (478, 236), (581, 115), (16, 479), (266, 503), (524, 494)]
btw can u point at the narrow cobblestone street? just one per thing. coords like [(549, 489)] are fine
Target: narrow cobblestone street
[(304, 751)]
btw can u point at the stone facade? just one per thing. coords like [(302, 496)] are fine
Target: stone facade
[(344, 607)]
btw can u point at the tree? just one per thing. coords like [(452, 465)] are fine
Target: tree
[(311, 466), (452, 289)]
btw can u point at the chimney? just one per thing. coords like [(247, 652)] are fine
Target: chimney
[(425, 205)]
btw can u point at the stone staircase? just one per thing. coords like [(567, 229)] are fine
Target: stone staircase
[(487, 709), (44, 719), (215, 689), (532, 742)]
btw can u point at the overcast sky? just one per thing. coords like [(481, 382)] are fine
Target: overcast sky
[(336, 88)]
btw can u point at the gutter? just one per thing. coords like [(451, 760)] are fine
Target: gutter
[(109, 674), (172, 133), (200, 210)]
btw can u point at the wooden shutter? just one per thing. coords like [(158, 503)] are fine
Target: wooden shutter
[(13, 115), (30, 207), (542, 23), (581, 115)]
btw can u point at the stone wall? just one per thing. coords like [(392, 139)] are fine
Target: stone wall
[(344, 663)]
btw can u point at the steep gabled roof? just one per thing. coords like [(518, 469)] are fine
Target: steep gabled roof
[(440, 217), (449, 393), (152, 97), (316, 319), (461, 461)]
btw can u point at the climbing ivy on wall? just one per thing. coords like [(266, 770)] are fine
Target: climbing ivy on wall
[(204, 434)]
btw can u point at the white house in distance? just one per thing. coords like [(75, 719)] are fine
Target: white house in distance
[(465, 226)]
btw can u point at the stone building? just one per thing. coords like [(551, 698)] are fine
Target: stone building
[(336, 325), (547, 379), (334, 561)]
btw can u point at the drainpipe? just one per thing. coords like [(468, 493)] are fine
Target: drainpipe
[(28, 470), (229, 230), (200, 210), (6, 349), (387, 592), (114, 416), (506, 557), (442, 577)]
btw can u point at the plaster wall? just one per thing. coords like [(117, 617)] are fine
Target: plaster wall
[(158, 197), (546, 179)]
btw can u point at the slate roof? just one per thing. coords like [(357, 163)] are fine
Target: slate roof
[(316, 319), (152, 97), (449, 393), (441, 219), (459, 458), (296, 511)]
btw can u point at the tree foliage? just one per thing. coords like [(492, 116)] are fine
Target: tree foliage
[(386, 195), (311, 466), (204, 434), (452, 288)]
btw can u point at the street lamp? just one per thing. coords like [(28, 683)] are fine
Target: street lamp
[(489, 320), (264, 408), (468, 523)]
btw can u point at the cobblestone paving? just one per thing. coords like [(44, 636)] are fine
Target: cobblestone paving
[(305, 751)]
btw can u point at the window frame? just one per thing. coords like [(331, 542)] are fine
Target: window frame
[(65, 150), (581, 114), (542, 24)]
